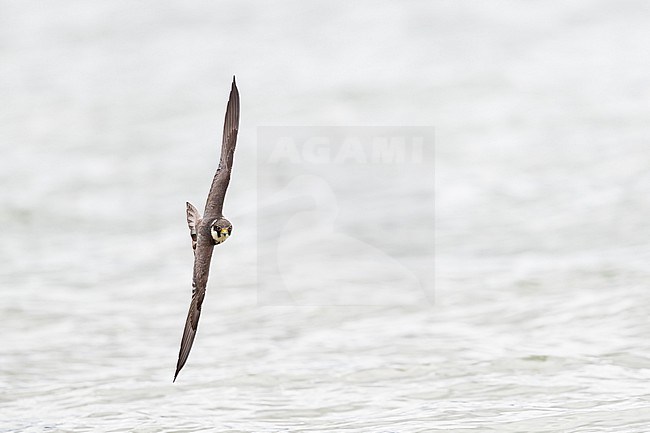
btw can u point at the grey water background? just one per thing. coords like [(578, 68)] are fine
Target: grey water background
[(110, 118)]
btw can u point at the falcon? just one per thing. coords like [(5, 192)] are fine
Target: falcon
[(211, 229)]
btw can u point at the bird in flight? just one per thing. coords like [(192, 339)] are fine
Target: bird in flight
[(211, 229)]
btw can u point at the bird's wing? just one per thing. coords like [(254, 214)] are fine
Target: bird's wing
[(189, 333), (193, 220), (217, 194), (202, 257)]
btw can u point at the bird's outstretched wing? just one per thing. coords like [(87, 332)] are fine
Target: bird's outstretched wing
[(193, 220), (189, 333), (217, 194), (202, 257)]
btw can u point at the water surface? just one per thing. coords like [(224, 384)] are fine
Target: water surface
[(111, 115)]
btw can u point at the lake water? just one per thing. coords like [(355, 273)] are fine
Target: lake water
[(536, 320)]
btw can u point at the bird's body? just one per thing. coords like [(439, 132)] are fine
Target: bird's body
[(211, 229)]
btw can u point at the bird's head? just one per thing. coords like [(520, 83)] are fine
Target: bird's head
[(220, 230)]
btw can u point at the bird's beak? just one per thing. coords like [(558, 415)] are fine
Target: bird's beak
[(224, 232)]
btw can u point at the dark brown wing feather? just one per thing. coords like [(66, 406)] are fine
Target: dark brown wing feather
[(202, 259), (189, 333), (217, 194)]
